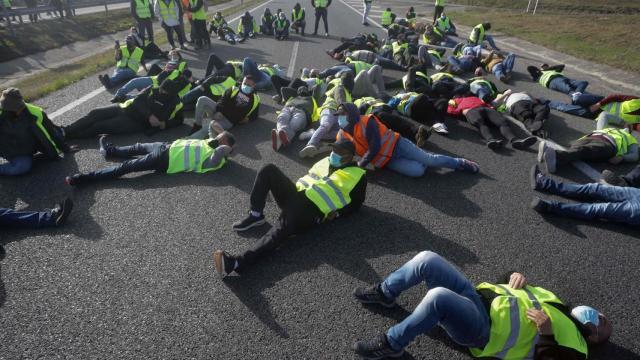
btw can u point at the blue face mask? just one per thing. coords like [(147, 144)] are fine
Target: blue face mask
[(335, 160), (586, 314), (246, 89), (342, 121)]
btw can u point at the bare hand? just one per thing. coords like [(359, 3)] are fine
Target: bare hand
[(153, 121), (517, 281), (594, 108), (542, 321)]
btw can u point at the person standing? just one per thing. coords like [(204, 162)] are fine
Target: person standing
[(439, 8), (365, 13), (321, 13), (199, 17), (142, 10), (170, 13)]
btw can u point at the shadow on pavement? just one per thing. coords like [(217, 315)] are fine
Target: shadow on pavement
[(344, 246)]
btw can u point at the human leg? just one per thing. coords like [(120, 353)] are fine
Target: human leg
[(578, 85), (121, 75), (406, 150), (26, 219), (169, 31), (605, 120), (136, 149), (138, 83), (561, 84), (204, 107), (500, 122), (365, 14), (570, 109), (590, 191), (327, 130), (214, 62), (586, 149), (18, 165), (271, 179), (86, 122), (623, 212), (363, 87)]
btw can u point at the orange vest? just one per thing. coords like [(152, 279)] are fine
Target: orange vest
[(388, 140)]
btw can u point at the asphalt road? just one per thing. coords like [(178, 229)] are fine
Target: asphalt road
[(131, 275)]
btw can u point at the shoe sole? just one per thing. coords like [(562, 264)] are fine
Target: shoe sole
[(388, 306), (217, 261), (284, 139), (396, 355), (252, 225), (274, 140)]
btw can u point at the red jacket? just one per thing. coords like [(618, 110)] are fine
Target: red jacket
[(459, 104)]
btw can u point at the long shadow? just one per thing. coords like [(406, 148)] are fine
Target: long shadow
[(611, 350), (345, 245)]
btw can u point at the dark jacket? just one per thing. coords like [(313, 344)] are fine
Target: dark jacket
[(547, 348), (21, 136), (235, 108), (149, 102)]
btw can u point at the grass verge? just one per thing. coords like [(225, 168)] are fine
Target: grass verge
[(621, 7), (603, 39), (43, 83)]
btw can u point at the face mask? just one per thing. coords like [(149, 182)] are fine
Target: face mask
[(246, 89), (342, 121), (335, 160), (586, 314)]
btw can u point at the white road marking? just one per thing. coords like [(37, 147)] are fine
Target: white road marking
[(360, 12), (292, 61), (100, 90)]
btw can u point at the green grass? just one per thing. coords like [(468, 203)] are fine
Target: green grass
[(48, 81), (622, 7), (50, 34), (603, 39)]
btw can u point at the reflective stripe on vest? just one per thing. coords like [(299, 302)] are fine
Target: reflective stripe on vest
[(298, 16), (37, 112), (200, 14), (478, 38), (388, 140), (621, 138), (624, 109), (131, 61), (512, 335), (142, 9), (255, 97), (386, 18), (191, 156), (168, 11), (547, 76), (329, 192), (438, 76), (359, 65), (219, 89)]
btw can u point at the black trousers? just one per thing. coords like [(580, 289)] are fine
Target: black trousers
[(633, 177), (145, 26), (321, 13), (291, 86), (589, 149), (483, 117), (405, 126), (221, 68), (532, 114), (105, 120), (169, 30), (437, 12), (200, 32), (298, 214), (299, 26)]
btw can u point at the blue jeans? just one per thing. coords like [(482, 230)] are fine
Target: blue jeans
[(491, 42), (335, 70), (586, 99), (26, 219), (263, 81), (505, 67), (567, 86), (451, 302), (152, 154), (620, 204), (18, 165), (481, 91), (190, 98), (121, 75), (410, 160), (134, 84), (463, 63)]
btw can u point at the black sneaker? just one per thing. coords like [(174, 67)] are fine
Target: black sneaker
[(610, 178), (106, 148), (224, 262), (376, 348), (535, 176), (61, 211), (540, 205), (522, 144), (249, 222), (373, 295), (118, 99), (495, 144)]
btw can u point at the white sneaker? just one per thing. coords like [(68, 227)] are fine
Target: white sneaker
[(309, 151), (275, 140), (306, 135), (440, 128)]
